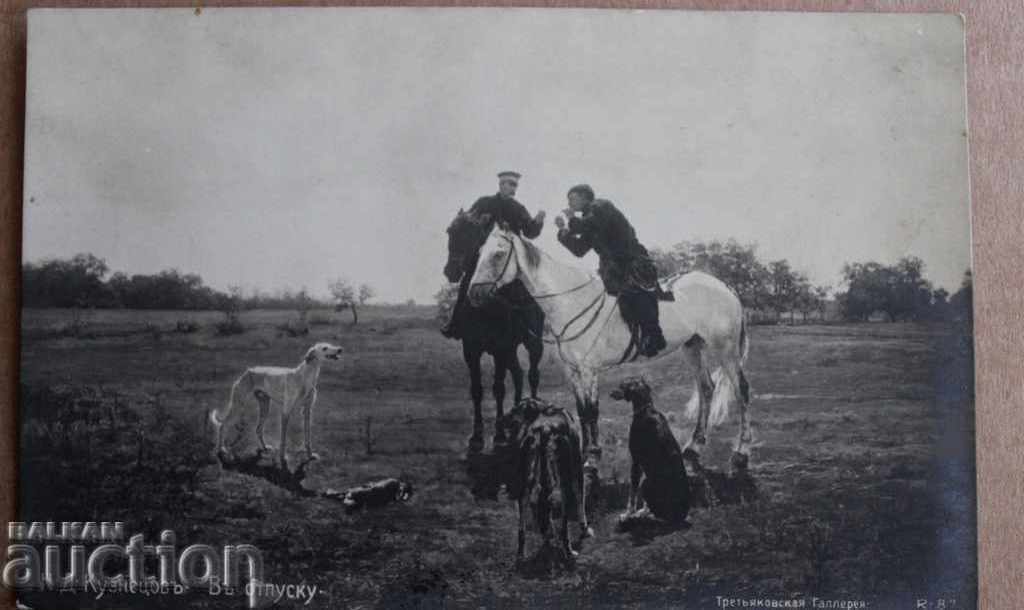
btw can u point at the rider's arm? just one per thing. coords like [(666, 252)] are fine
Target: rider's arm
[(531, 226), (577, 243)]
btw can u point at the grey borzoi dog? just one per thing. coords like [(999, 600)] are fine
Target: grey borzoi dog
[(286, 389)]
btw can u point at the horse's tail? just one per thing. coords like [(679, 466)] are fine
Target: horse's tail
[(728, 381), (744, 340), (723, 396), (692, 409)]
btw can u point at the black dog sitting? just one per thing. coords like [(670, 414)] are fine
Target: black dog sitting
[(657, 470)]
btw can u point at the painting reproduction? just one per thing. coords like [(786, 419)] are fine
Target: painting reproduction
[(495, 308)]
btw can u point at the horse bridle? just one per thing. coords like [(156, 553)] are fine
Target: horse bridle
[(560, 337), (508, 261)]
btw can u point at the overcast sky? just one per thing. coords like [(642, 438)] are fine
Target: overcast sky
[(282, 148)]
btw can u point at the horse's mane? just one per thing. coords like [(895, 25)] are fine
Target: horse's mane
[(532, 253), (463, 218)]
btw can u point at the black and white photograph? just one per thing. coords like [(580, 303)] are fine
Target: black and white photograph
[(495, 308)]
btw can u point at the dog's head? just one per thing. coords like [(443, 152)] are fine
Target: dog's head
[(404, 491), (323, 351), (635, 390), (519, 417)]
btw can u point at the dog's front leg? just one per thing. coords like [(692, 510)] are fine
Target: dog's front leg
[(636, 474), (521, 549), (307, 415), (263, 400), (567, 550), (282, 456)]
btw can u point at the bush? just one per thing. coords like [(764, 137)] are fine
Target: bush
[(294, 329), (230, 326), (186, 327), (154, 331), (319, 319), (145, 464)]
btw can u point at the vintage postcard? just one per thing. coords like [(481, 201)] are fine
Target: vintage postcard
[(424, 308)]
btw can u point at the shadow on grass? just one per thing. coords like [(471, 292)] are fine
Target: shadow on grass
[(710, 487), (548, 562), (488, 472), (643, 529), (255, 465)]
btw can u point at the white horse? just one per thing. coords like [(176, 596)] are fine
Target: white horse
[(705, 323)]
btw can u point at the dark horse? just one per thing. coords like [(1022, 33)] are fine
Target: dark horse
[(498, 328)]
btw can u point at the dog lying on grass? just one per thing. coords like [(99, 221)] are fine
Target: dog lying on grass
[(658, 476), (374, 494), (286, 389), (547, 476)]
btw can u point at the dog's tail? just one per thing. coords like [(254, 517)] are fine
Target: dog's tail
[(219, 415)]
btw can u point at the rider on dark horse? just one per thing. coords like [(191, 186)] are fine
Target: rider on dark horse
[(625, 265), (501, 207)]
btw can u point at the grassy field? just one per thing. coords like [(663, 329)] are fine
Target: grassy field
[(863, 471)]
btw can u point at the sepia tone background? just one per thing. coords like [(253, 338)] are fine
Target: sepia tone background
[(995, 81)]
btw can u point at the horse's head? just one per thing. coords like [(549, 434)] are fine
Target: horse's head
[(465, 234), (497, 266)]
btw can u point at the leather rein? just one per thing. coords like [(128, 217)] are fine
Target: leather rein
[(596, 306)]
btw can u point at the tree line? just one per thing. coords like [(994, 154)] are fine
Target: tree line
[(772, 286), (82, 281), (898, 292)]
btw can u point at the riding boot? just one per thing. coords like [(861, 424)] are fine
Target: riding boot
[(653, 338), (630, 311)]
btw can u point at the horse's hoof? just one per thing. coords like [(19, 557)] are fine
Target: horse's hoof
[(586, 532), (740, 461), (626, 516), (312, 455)]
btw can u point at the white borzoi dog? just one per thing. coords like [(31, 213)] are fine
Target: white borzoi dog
[(285, 388)]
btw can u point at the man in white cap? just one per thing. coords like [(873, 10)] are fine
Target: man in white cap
[(500, 207)]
